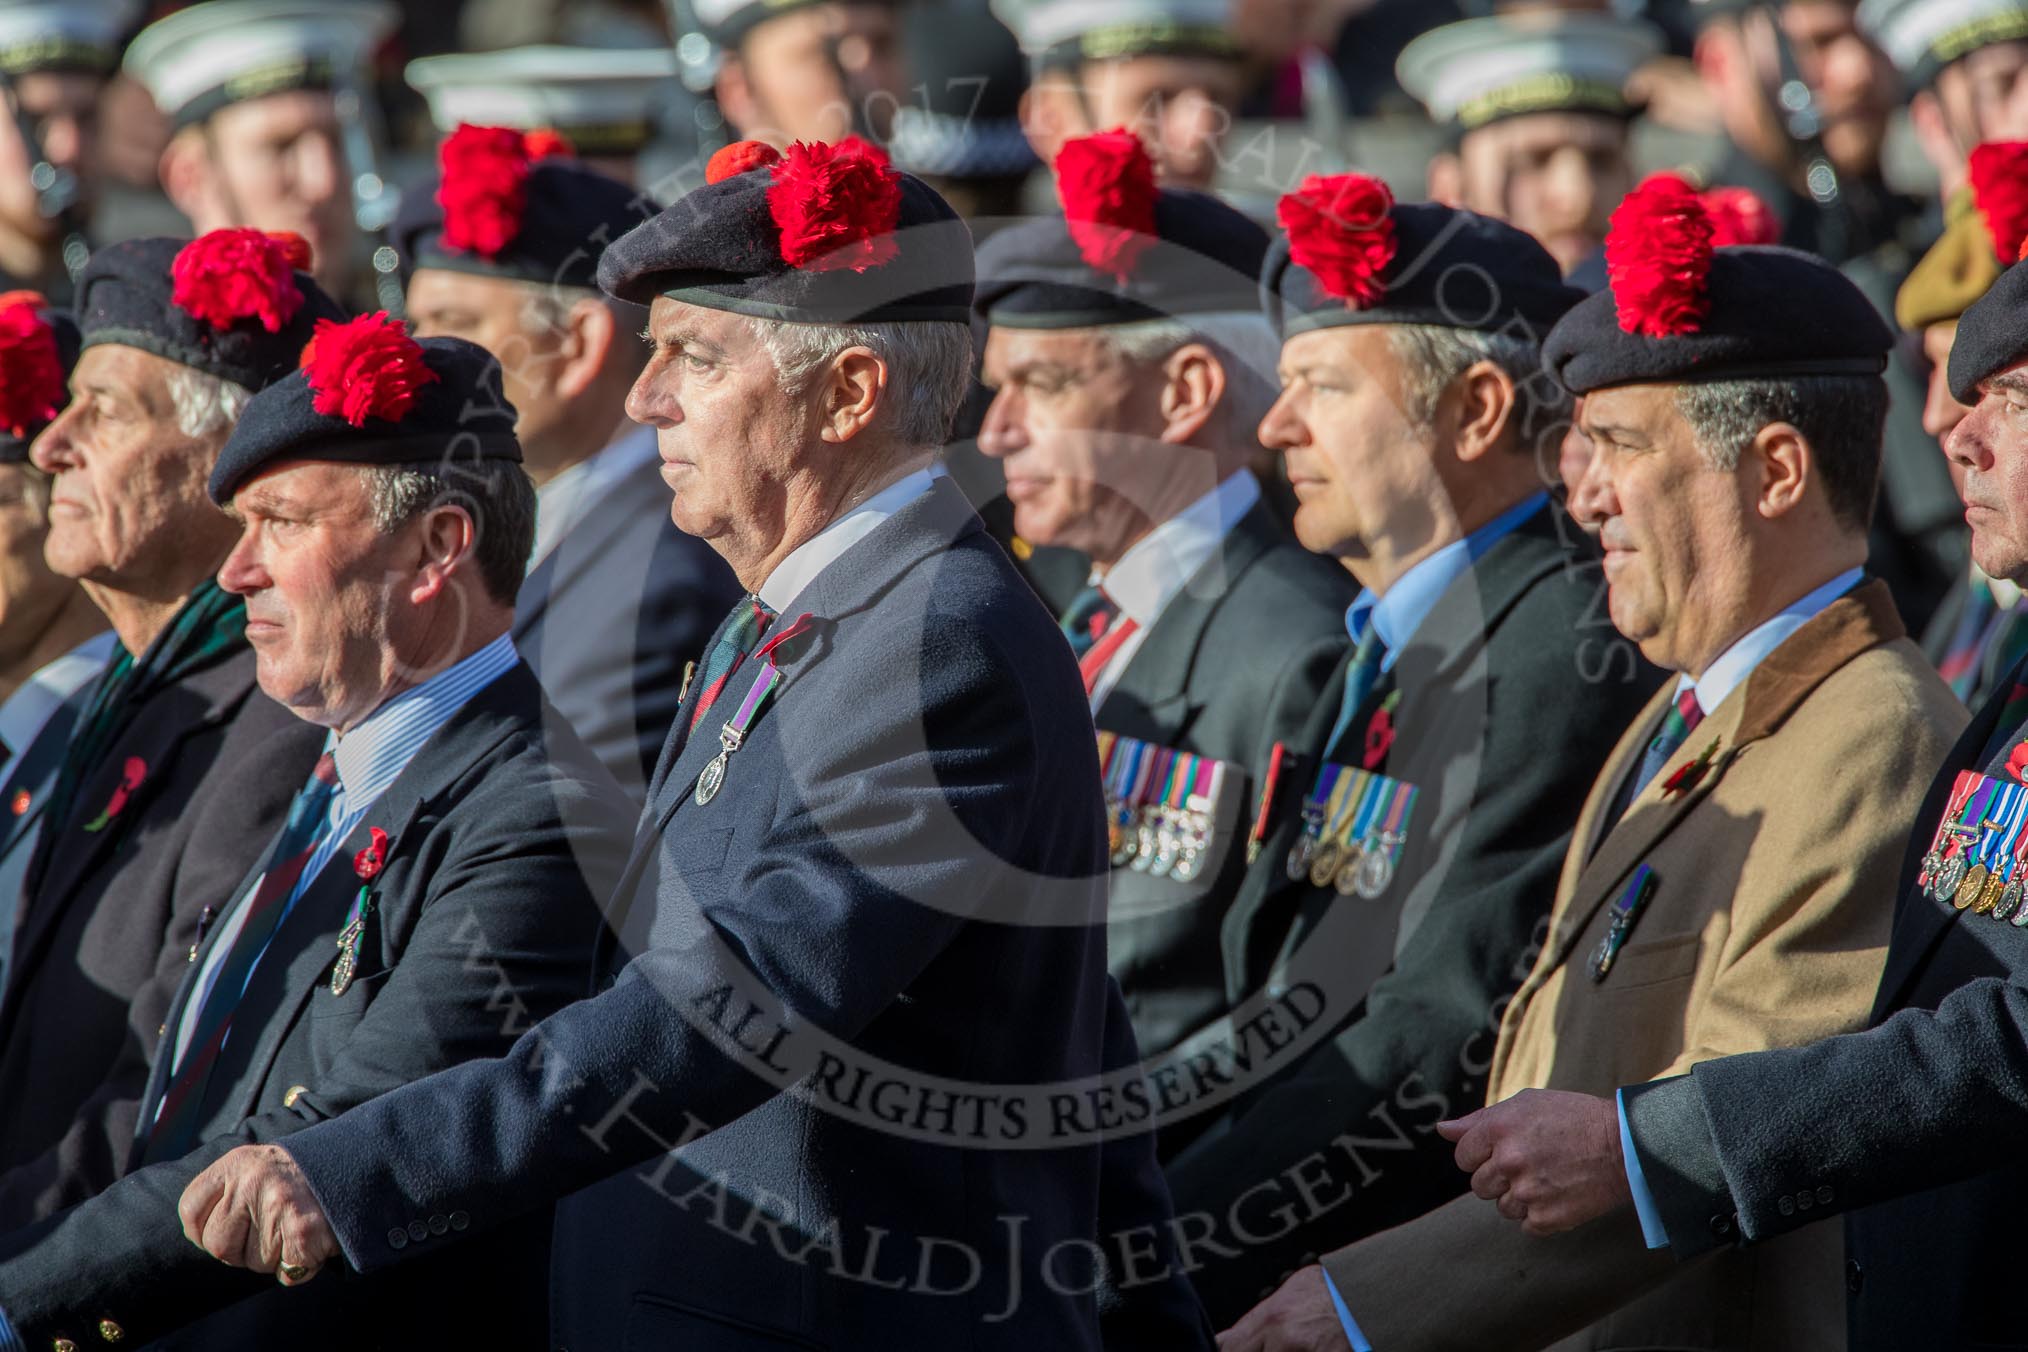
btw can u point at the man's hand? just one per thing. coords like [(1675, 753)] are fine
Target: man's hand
[(1299, 1317), (1548, 1159), (253, 1209)]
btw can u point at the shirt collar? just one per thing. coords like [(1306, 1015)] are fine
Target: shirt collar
[(1737, 662), (564, 500), (26, 711), (1162, 562), (371, 755), (815, 554), (1396, 615)]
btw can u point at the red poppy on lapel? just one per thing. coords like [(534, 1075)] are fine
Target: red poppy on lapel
[(1691, 773), (2017, 762), (372, 856), (1379, 739), (131, 775), (21, 801)]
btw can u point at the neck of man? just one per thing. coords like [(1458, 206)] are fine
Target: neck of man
[(809, 506), (446, 638), (139, 617), (573, 441), (1769, 589), (1439, 520), (1158, 504), (76, 620)]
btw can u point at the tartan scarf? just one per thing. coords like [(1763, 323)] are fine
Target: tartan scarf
[(211, 624)]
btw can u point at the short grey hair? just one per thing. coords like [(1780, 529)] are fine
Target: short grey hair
[(1434, 355), (206, 405), (1246, 346), (498, 494), (929, 367), (1843, 419)]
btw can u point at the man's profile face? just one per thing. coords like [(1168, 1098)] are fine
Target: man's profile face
[(1990, 446), (1557, 176), (278, 163), (61, 110), (1077, 429), (320, 582), (823, 72), (1854, 85), (1984, 94), (128, 495)]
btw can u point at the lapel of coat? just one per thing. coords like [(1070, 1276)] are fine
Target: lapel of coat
[(1920, 923), (214, 693), (1155, 683), (1855, 623), (931, 524), (281, 985), (35, 774)]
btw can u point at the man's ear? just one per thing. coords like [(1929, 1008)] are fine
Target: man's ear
[(1447, 180), (851, 391), (1788, 465), (1193, 386), (590, 333), (185, 169), (444, 541), (1488, 404), (735, 96), (1933, 134), (1050, 115)]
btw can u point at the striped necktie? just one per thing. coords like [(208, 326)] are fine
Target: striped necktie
[(1090, 614), (175, 1128), (1109, 631), (1360, 675), (749, 620), (1677, 725)]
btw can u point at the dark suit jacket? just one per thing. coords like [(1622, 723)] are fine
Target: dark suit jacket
[(102, 942), (504, 832), (1910, 1127), (1235, 663), (31, 784), (898, 896), (610, 616), (1513, 692)]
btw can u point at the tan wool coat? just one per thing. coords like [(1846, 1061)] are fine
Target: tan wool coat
[(1774, 889)]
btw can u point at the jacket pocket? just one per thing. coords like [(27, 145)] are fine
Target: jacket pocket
[(1652, 964)]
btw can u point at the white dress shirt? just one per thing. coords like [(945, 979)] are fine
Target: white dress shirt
[(1161, 563), (566, 499)]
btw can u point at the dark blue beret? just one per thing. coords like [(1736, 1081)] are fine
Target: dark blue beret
[(1205, 259), (1451, 269), (1773, 313), (573, 213), (125, 297), (719, 247), (13, 449), (462, 416), (1992, 334)]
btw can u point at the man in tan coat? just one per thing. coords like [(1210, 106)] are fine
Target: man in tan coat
[(1728, 888)]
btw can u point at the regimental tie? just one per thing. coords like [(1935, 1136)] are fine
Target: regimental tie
[(175, 1127), (1677, 725), (1097, 631), (742, 633), (1361, 674)]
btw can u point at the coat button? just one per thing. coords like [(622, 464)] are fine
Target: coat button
[(110, 1331), (1805, 1200), (1786, 1205), (63, 1345), (296, 1091), (418, 1231), (397, 1238), (459, 1220), (1824, 1195), (1721, 1226), (1855, 1276), (439, 1225)]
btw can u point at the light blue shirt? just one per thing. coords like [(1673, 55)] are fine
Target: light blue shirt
[(368, 758), (1719, 680), (1397, 615)]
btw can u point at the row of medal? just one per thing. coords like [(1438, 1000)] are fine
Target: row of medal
[(1160, 806), (1976, 863), (1355, 823)]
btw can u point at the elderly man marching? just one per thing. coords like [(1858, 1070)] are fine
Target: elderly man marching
[(179, 770), (871, 869), (1130, 365), (435, 887), (1724, 891)]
